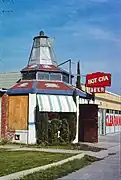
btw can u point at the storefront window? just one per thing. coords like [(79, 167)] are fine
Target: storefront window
[(116, 112), (111, 111)]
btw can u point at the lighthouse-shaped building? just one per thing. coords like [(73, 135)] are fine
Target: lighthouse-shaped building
[(43, 84)]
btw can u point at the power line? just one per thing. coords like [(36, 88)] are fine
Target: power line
[(7, 1), (4, 10)]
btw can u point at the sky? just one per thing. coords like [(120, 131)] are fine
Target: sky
[(85, 30)]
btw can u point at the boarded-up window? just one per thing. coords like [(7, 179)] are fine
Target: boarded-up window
[(17, 112)]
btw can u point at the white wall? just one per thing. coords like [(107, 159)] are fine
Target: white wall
[(101, 121), (23, 134), (31, 121)]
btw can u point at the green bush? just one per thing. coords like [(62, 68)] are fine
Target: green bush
[(71, 118), (54, 128), (4, 141), (47, 130), (42, 128), (72, 127), (64, 131)]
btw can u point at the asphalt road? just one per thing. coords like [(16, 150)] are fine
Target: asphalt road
[(106, 169)]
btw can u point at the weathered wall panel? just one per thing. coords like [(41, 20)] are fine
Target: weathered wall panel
[(17, 112), (88, 123)]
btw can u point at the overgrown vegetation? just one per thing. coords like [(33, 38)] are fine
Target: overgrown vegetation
[(42, 128), (60, 171), (56, 128), (64, 131), (14, 161), (4, 141)]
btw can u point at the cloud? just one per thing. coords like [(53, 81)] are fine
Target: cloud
[(86, 30), (102, 34), (99, 1)]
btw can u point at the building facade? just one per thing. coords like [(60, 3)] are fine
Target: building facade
[(42, 83), (109, 112)]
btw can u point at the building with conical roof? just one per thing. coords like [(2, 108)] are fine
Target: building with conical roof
[(43, 85)]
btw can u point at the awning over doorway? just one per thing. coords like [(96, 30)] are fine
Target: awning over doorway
[(55, 103)]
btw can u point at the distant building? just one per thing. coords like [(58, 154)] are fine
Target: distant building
[(8, 79)]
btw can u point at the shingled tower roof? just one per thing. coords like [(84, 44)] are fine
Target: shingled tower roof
[(42, 51)]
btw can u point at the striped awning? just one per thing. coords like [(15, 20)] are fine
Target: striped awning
[(55, 103)]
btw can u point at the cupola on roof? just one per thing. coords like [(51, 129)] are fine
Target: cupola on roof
[(42, 51)]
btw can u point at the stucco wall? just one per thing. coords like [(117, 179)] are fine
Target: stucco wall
[(107, 100), (104, 104)]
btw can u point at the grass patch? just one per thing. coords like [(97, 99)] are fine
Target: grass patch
[(14, 161), (81, 147), (60, 171)]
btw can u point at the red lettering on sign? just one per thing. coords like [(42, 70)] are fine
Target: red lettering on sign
[(113, 120), (120, 120), (108, 121), (98, 79)]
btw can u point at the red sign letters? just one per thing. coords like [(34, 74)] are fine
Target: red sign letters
[(98, 79), (113, 120), (97, 89)]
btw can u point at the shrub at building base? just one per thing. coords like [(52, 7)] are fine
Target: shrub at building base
[(60, 130), (72, 126), (71, 118), (64, 131), (55, 128), (42, 128)]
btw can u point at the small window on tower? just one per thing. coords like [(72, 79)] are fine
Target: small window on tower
[(43, 75), (66, 78), (29, 75), (55, 76)]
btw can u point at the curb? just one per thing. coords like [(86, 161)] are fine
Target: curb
[(20, 174), (51, 150), (48, 150)]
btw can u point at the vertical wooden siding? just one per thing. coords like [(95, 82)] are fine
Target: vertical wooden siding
[(17, 112)]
